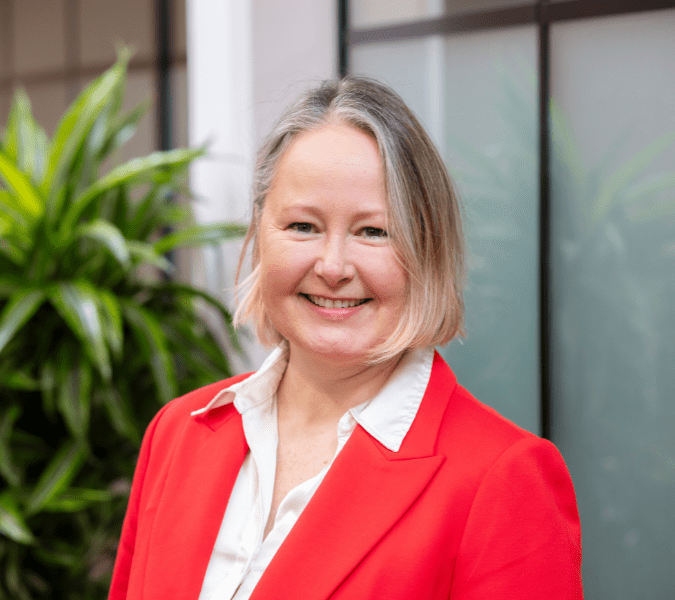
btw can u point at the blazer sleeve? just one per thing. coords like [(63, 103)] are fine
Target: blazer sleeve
[(522, 537), (125, 550)]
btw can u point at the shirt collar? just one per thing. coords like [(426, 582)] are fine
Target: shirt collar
[(387, 416), (256, 389)]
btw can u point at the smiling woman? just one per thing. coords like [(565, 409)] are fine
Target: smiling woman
[(421, 210), (351, 464)]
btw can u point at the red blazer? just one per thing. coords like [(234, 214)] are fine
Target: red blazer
[(471, 507)]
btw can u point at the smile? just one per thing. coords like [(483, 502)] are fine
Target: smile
[(327, 303)]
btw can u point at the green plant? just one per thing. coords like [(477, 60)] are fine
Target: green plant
[(92, 339)]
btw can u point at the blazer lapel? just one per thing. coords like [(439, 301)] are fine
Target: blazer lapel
[(200, 479), (364, 493)]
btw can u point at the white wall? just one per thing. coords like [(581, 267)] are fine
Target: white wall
[(294, 45), (246, 60)]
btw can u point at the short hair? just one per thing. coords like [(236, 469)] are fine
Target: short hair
[(423, 212)]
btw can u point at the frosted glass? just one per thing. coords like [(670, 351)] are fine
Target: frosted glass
[(613, 282), (491, 132), (475, 94)]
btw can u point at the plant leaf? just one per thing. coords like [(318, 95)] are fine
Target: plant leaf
[(26, 142), (151, 338), (18, 379), (108, 235), (135, 169), (123, 131), (199, 235), (120, 413), (12, 523), (77, 303), (73, 400), (8, 285), (76, 499), (31, 205), (113, 326), (76, 124), (11, 251), (7, 467), (143, 215), (57, 475), (21, 307), (210, 299), (47, 386), (146, 253)]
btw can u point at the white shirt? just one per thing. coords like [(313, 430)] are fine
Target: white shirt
[(240, 556)]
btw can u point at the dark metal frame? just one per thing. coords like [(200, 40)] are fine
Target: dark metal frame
[(164, 50), (542, 14)]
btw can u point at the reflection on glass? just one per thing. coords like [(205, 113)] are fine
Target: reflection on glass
[(613, 283)]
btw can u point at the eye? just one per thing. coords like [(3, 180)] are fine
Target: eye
[(374, 232), (302, 227)]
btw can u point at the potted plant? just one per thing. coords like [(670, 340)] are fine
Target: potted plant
[(90, 344)]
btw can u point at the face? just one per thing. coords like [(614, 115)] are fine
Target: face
[(330, 278)]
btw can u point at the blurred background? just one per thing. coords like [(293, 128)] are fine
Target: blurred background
[(556, 120)]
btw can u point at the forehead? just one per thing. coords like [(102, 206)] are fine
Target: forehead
[(335, 168), (333, 150)]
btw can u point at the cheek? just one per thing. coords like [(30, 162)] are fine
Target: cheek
[(389, 280), (281, 268)]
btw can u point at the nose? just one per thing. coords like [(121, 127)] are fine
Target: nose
[(333, 264)]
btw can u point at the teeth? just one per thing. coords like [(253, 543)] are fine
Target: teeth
[(326, 303)]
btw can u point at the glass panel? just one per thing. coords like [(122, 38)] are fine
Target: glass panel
[(476, 95), (38, 35), (613, 279), (492, 147), (375, 13), (105, 24)]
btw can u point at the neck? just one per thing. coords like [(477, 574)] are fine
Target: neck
[(316, 390)]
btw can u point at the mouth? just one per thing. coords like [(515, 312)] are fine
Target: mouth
[(328, 303)]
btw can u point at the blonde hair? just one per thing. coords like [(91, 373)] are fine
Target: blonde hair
[(424, 221)]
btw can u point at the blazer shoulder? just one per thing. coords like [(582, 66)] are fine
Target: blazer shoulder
[(475, 432)]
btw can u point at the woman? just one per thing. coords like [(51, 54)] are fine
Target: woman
[(243, 489)]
